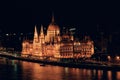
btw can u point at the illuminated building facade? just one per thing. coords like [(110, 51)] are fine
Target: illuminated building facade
[(56, 45)]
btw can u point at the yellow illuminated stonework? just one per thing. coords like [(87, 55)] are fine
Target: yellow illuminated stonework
[(56, 45)]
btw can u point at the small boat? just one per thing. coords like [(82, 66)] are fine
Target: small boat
[(42, 64)]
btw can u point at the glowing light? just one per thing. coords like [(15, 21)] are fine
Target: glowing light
[(53, 44), (7, 34), (72, 29), (109, 57), (117, 57), (66, 69)]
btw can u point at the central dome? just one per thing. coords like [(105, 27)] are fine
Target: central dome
[(53, 26)]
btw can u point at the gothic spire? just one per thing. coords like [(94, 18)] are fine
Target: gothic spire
[(41, 30), (53, 18), (41, 35), (35, 34)]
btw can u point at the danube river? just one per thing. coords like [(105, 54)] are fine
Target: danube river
[(21, 70)]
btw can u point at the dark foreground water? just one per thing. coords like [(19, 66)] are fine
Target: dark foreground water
[(21, 70)]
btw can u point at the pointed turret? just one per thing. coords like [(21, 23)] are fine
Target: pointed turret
[(41, 30), (41, 36), (35, 43), (53, 18), (35, 35), (41, 41)]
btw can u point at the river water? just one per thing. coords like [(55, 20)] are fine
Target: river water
[(21, 70)]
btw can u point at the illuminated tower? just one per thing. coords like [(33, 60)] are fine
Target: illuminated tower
[(52, 31), (35, 43), (35, 40), (41, 36), (41, 41), (53, 19)]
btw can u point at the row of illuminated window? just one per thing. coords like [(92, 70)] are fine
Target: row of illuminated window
[(66, 54), (84, 46), (87, 51), (66, 49), (83, 49)]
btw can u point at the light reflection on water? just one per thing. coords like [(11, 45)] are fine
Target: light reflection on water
[(20, 70)]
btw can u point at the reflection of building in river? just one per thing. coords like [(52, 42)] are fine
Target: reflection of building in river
[(57, 45)]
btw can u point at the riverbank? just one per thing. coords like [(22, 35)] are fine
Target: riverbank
[(81, 64)]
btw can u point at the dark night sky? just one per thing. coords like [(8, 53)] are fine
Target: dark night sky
[(23, 15)]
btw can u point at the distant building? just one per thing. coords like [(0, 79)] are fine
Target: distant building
[(56, 45)]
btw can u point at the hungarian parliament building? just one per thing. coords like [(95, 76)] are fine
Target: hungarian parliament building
[(57, 45)]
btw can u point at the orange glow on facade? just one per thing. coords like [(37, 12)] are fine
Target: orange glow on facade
[(117, 57), (52, 44), (109, 58)]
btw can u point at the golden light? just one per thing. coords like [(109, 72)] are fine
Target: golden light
[(117, 57), (42, 44), (109, 57)]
